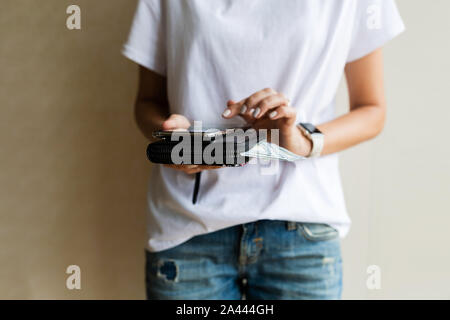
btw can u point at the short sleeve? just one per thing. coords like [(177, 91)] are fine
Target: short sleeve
[(376, 23), (146, 43)]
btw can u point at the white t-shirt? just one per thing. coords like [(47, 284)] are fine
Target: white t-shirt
[(213, 51)]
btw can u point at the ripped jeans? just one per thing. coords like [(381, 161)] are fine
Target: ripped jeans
[(266, 259)]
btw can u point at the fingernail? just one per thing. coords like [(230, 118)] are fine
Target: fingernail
[(226, 113), (243, 109), (273, 114), (256, 112), (251, 111)]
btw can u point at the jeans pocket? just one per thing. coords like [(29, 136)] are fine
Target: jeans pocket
[(318, 231)]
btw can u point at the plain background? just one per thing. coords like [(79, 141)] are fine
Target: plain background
[(73, 173)]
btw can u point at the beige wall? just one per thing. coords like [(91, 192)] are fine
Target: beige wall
[(398, 186), (73, 170)]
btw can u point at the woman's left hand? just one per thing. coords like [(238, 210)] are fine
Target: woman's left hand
[(268, 109)]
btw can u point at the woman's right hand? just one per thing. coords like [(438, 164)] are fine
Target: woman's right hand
[(180, 122)]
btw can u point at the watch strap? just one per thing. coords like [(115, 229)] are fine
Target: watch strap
[(317, 145), (316, 137)]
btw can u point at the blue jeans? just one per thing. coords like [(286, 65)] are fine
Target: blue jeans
[(260, 260)]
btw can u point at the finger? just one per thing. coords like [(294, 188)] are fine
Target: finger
[(204, 168), (193, 171), (233, 105), (236, 108), (233, 109), (176, 121), (182, 167), (211, 167), (283, 112), (268, 103), (244, 107), (252, 102), (245, 115)]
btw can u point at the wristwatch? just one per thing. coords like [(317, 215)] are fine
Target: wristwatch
[(316, 137)]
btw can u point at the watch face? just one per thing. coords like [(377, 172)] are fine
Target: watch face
[(310, 128)]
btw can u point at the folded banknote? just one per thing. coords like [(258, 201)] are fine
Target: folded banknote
[(270, 151)]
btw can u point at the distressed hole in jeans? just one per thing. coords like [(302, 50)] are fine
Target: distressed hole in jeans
[(168, 270), (328, 260)]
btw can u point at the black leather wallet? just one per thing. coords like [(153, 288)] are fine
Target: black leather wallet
[(221, 150)]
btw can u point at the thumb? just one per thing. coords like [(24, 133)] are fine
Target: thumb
[(176, 121)]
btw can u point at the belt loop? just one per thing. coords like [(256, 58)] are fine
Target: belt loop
[(291, 225)]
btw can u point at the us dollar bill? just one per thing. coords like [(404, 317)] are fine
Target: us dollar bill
[(271, 151)]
